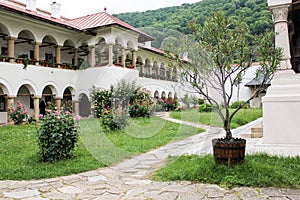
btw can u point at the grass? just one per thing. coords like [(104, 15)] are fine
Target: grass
[(19, 147), (243, 117), (258, 170)]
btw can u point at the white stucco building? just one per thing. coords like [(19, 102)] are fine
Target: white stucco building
[(281, 105), (70, 56)]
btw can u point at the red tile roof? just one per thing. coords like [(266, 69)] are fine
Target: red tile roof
[(104, 19), (82, 23)]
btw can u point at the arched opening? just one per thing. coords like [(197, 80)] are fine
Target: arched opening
[(84, 105), (68, 54), (147, 68), (163, 95), (48, 51), (47, 97), (24, 46), (156, 94), (117, 51), (128, 60), (162, 72), (67, 102), (139, 65), (24, 96), (101, 53), (155, 70), (3, 43)]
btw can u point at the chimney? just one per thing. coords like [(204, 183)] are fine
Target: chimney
[(55, 10), (148, 44), (31, 5)]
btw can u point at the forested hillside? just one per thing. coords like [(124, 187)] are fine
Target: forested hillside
[(162, 22)]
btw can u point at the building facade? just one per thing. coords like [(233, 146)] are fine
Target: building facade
[(281, 105), (67, 57)]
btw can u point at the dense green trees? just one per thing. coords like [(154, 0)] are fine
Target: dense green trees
[(164, 21)]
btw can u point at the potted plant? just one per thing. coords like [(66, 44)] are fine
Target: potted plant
[(219, 56)]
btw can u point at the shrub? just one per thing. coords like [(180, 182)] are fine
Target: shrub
[(236, 104), (205, 107), (19, 114), (58, 135), (140, 104), (201, 101)]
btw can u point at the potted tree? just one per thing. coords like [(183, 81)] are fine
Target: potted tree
[(218, 57)]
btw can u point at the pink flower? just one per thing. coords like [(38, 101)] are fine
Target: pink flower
[(57, 112), (67, 112), (41, 116), (48, 110), (76, 117), (58, 117)]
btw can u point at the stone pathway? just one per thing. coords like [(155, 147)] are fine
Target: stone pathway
[(130, 180)]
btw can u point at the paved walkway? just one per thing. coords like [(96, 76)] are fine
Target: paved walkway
[(130, 179)]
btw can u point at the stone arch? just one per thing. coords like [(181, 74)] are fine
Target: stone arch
[(68, 54), (3, 42), (25, 96), (170, 96), (156, 94), (101, 52), (117, 50), (163, 95), (48, 94), (67, 101), (155, 68), (130, 45), (147, 67), (84, 105), (3, 94), (47, 50), (24, 44)]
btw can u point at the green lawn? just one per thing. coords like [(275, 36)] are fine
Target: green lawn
[(258, 170), (19, 150), (243, 117)]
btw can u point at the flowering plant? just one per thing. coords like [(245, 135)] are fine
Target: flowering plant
[(58, 135), (19, 114)]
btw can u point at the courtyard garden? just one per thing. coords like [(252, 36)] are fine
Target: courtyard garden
[(19, 149)]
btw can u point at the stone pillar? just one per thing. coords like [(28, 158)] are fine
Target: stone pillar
[(76, 57), (11, 49), (36, 55), (58, 56), (36, 107), (58, 103), (92, 56), (134, 59), (110, 54), (123, 56), (76, 107), (280, 15)]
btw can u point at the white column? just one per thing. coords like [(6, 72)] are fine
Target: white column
[(92, 56), (11, 49), (37, 52), (123, 56), (58, 56), (280, 15), (110, 54)]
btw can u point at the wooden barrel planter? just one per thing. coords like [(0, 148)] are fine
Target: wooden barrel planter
[(229, 151)]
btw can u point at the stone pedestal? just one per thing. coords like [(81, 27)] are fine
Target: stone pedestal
[(281, 110)]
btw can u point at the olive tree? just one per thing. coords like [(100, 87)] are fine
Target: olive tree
[(216, 59)]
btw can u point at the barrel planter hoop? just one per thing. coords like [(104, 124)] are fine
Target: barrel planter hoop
[(229, 151)]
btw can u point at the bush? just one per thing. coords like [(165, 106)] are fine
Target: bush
[(236, 104), (205, 107), (201, 101), (140, 104), (19, 114), (58, 135)]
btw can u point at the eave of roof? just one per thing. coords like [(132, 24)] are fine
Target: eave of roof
[(152, 49)]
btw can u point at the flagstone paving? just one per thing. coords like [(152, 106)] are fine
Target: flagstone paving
[(131, 180)]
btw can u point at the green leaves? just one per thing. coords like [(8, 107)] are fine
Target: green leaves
[(58, 135)]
